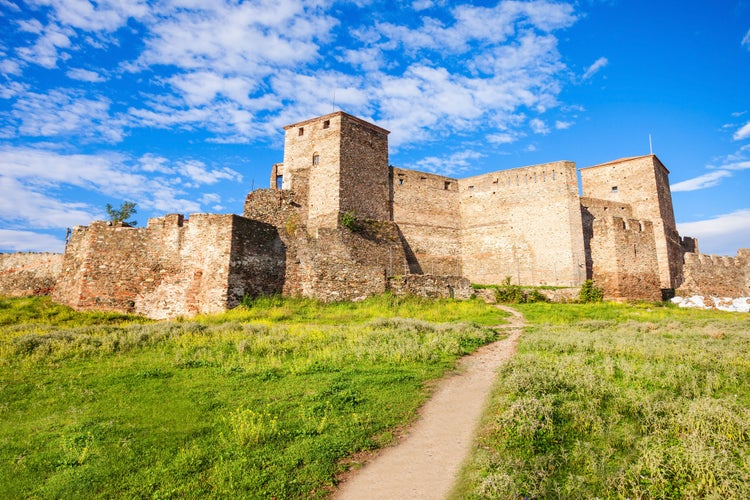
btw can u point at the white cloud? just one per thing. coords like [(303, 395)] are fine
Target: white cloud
[(538, 126), (49, 46), (594, 68), (502, 138), (30, 186), (85, 75), (742, 133), (562, 125), (29, 241), (746, 40), (704, 181), (722, 234), (452, 165), (66, 113)]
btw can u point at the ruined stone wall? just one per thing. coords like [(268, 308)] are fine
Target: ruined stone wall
[(621, 251), (718, 276), (436, 287), (524, 223), (643, 183), (426, 209), (25, 273), (172, 267)]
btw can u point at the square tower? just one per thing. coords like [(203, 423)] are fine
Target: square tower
[(643, 183), (336, 163)]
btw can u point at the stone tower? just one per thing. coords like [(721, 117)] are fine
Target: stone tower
[(335, 163), (643, 183)]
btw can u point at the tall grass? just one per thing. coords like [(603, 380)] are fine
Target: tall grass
[(619, 401), (240, 405)]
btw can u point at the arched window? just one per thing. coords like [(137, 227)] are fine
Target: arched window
[(316, 159)]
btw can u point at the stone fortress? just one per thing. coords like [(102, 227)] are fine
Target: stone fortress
[(340, 223)]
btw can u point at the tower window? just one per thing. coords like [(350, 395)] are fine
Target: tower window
[(316, 159), (614, 189), (326, 123), (301, 131), (447, 185), (400, 182), (279, 181)]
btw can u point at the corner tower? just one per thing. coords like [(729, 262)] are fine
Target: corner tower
[(643, 183), (336, 163)]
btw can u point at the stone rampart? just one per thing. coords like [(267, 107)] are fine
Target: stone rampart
[(426, 209), (29, 273), (524, 223), (621, 251), (426, 285), (714, 275)]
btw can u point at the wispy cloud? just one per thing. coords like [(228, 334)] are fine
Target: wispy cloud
[(704, 181), (23, 241), (594, 68), (722, 234), (454, 164), (85, 75), (742, 133), (746, 40)]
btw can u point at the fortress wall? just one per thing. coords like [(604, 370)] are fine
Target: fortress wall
[(435, 287), (718, 276), (524, 223), (340, 264), (621, 251), (426, 207), (173, 267), (364, 187), (643, 183), (25, 273)]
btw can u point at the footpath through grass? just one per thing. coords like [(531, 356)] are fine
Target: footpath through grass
[(619, 401), (260, 402)]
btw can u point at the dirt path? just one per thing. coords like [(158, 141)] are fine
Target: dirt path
[(426, 461)]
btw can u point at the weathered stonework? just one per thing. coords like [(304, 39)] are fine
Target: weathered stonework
[(29, 273), (340, 224), (718, 276)]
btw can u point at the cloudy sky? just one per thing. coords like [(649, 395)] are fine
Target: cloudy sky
[(178, 105)]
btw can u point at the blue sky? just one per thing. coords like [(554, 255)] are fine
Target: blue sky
[(178, 105)]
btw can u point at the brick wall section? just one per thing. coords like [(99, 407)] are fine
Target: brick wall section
[(431, 286), (643, 183), (24, 273), (718, 276), (524, 223), (622, 251), (426, 209)]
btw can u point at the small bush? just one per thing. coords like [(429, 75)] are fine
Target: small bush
[(515, 294), (349, 220), (590, 293)]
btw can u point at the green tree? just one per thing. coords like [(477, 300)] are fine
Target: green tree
[(126, 210)]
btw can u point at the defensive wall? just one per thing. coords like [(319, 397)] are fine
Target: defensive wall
[(643, 183), (524, 223), (413, 232), (621, 250), (718, 276), (426, 209), (29, 273)]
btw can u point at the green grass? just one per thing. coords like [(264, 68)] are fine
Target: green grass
[(261, 402), (619, 401)]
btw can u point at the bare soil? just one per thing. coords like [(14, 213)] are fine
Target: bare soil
[(426, 460)]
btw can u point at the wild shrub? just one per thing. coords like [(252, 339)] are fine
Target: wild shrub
[(509, 293), (348, 219), (590, 293)]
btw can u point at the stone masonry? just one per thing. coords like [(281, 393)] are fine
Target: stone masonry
[(340, 223)]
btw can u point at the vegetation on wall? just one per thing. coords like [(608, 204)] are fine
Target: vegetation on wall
[(122, 214), (349, 220)]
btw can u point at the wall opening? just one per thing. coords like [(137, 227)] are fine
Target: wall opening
[(316, 159), (447, 185), (614, 189), (301, 131), (326, 123), (279, 181)]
